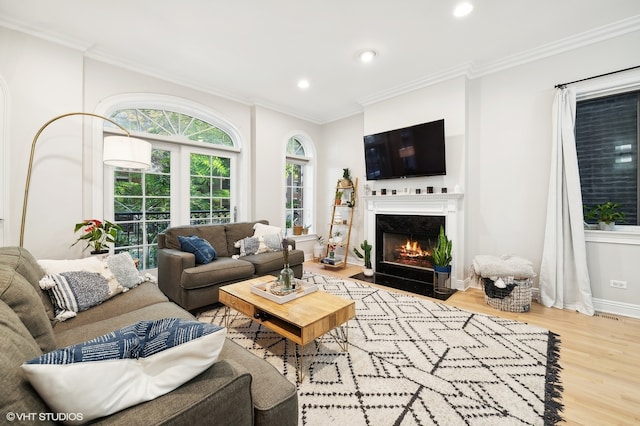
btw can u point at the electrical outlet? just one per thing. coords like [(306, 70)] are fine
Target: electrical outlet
[(618, 284)]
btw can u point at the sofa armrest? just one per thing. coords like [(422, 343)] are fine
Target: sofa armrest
[(291, 242), (171, 263), (221, 394)]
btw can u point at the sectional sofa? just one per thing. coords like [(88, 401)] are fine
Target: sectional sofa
[(239, 389)]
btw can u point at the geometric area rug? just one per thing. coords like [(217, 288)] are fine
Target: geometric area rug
[(414, 361)]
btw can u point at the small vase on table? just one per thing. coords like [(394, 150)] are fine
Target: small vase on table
[(286, 277)]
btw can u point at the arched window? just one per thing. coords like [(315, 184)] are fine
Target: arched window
[(192, 178), (298, 178)]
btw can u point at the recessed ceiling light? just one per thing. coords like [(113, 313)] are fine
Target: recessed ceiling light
[(303, 84), (367, 55), (463, 9)]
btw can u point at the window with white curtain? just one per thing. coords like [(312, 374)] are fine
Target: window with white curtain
[(607, 145), (191, 179)]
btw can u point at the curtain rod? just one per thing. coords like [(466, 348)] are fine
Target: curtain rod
[(558, 86)]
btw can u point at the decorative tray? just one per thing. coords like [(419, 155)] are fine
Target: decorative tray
[(271, 290)]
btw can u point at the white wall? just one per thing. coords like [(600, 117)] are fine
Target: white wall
[(271, 131), (342, 147), (44, 80)]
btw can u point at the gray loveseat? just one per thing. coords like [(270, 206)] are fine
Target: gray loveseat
[(239, 389), (192, 285)]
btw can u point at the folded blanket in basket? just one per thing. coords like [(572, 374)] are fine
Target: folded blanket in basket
[(487, 266)]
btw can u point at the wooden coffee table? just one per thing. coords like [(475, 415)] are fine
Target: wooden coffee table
[(301, 320)]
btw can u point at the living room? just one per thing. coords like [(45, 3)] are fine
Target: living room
[(498, 134), (498, 127)]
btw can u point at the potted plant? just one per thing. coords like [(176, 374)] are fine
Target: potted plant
[(346, 181), (366, 255), (339, 197), (442, 262), (605, 214), (97, 234)]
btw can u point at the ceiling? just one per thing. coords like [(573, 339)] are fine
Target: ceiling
[(255, 51)]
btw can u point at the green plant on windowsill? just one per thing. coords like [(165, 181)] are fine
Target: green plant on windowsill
[(606, 214)]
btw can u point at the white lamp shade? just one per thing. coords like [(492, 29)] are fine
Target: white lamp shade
[(127, 152)]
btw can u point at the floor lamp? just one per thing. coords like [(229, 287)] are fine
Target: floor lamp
[(118, 151)]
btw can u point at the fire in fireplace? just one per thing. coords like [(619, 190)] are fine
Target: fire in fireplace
[(409, 253), (404, 244)]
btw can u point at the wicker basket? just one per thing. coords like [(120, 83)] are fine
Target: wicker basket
[(516, 297)]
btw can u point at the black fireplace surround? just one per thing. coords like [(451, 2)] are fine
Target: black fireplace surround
[(404, 243)]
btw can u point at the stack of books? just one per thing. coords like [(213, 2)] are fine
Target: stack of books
[(331, 260)]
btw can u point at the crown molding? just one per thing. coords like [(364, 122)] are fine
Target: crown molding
[(469, 69), (429, 80), (40, 33), (474, 70), (596, 35)]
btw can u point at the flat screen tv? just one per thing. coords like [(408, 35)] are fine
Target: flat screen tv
[(408, 152)]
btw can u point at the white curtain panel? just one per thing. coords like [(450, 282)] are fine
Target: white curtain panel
[(564, 277)]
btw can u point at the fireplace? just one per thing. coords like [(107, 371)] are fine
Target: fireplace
[(413, 219), (404, 243)]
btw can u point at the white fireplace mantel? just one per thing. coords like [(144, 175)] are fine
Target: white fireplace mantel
[(448, 205)]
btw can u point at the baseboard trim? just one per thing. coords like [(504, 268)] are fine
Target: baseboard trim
[(618, 308)]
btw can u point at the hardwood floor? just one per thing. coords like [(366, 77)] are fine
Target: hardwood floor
[(599, 355)]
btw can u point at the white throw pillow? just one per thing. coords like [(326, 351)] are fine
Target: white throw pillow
[(135, 364), (260, 230), (87, 264)]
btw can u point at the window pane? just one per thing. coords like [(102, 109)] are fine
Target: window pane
[(127, 183), (607, 147), (200, 165), (143, 207), (200, 186), (168, 123), (221, 166), (157, 184), (157, 205), (294, 194), (210, 189), (127, 205), (160, 161)]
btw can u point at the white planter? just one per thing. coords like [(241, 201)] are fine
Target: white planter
[(607, 226), (368, 272)]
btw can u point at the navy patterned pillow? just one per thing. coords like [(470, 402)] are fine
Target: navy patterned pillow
[(201, 248), (134, 364)]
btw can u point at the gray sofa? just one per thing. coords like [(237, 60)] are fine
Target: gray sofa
[(239, 389), (192, 285)]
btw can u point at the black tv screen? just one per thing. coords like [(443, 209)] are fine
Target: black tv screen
[(408, 152)]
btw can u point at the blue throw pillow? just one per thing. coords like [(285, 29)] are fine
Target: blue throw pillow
[(203, 251)]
